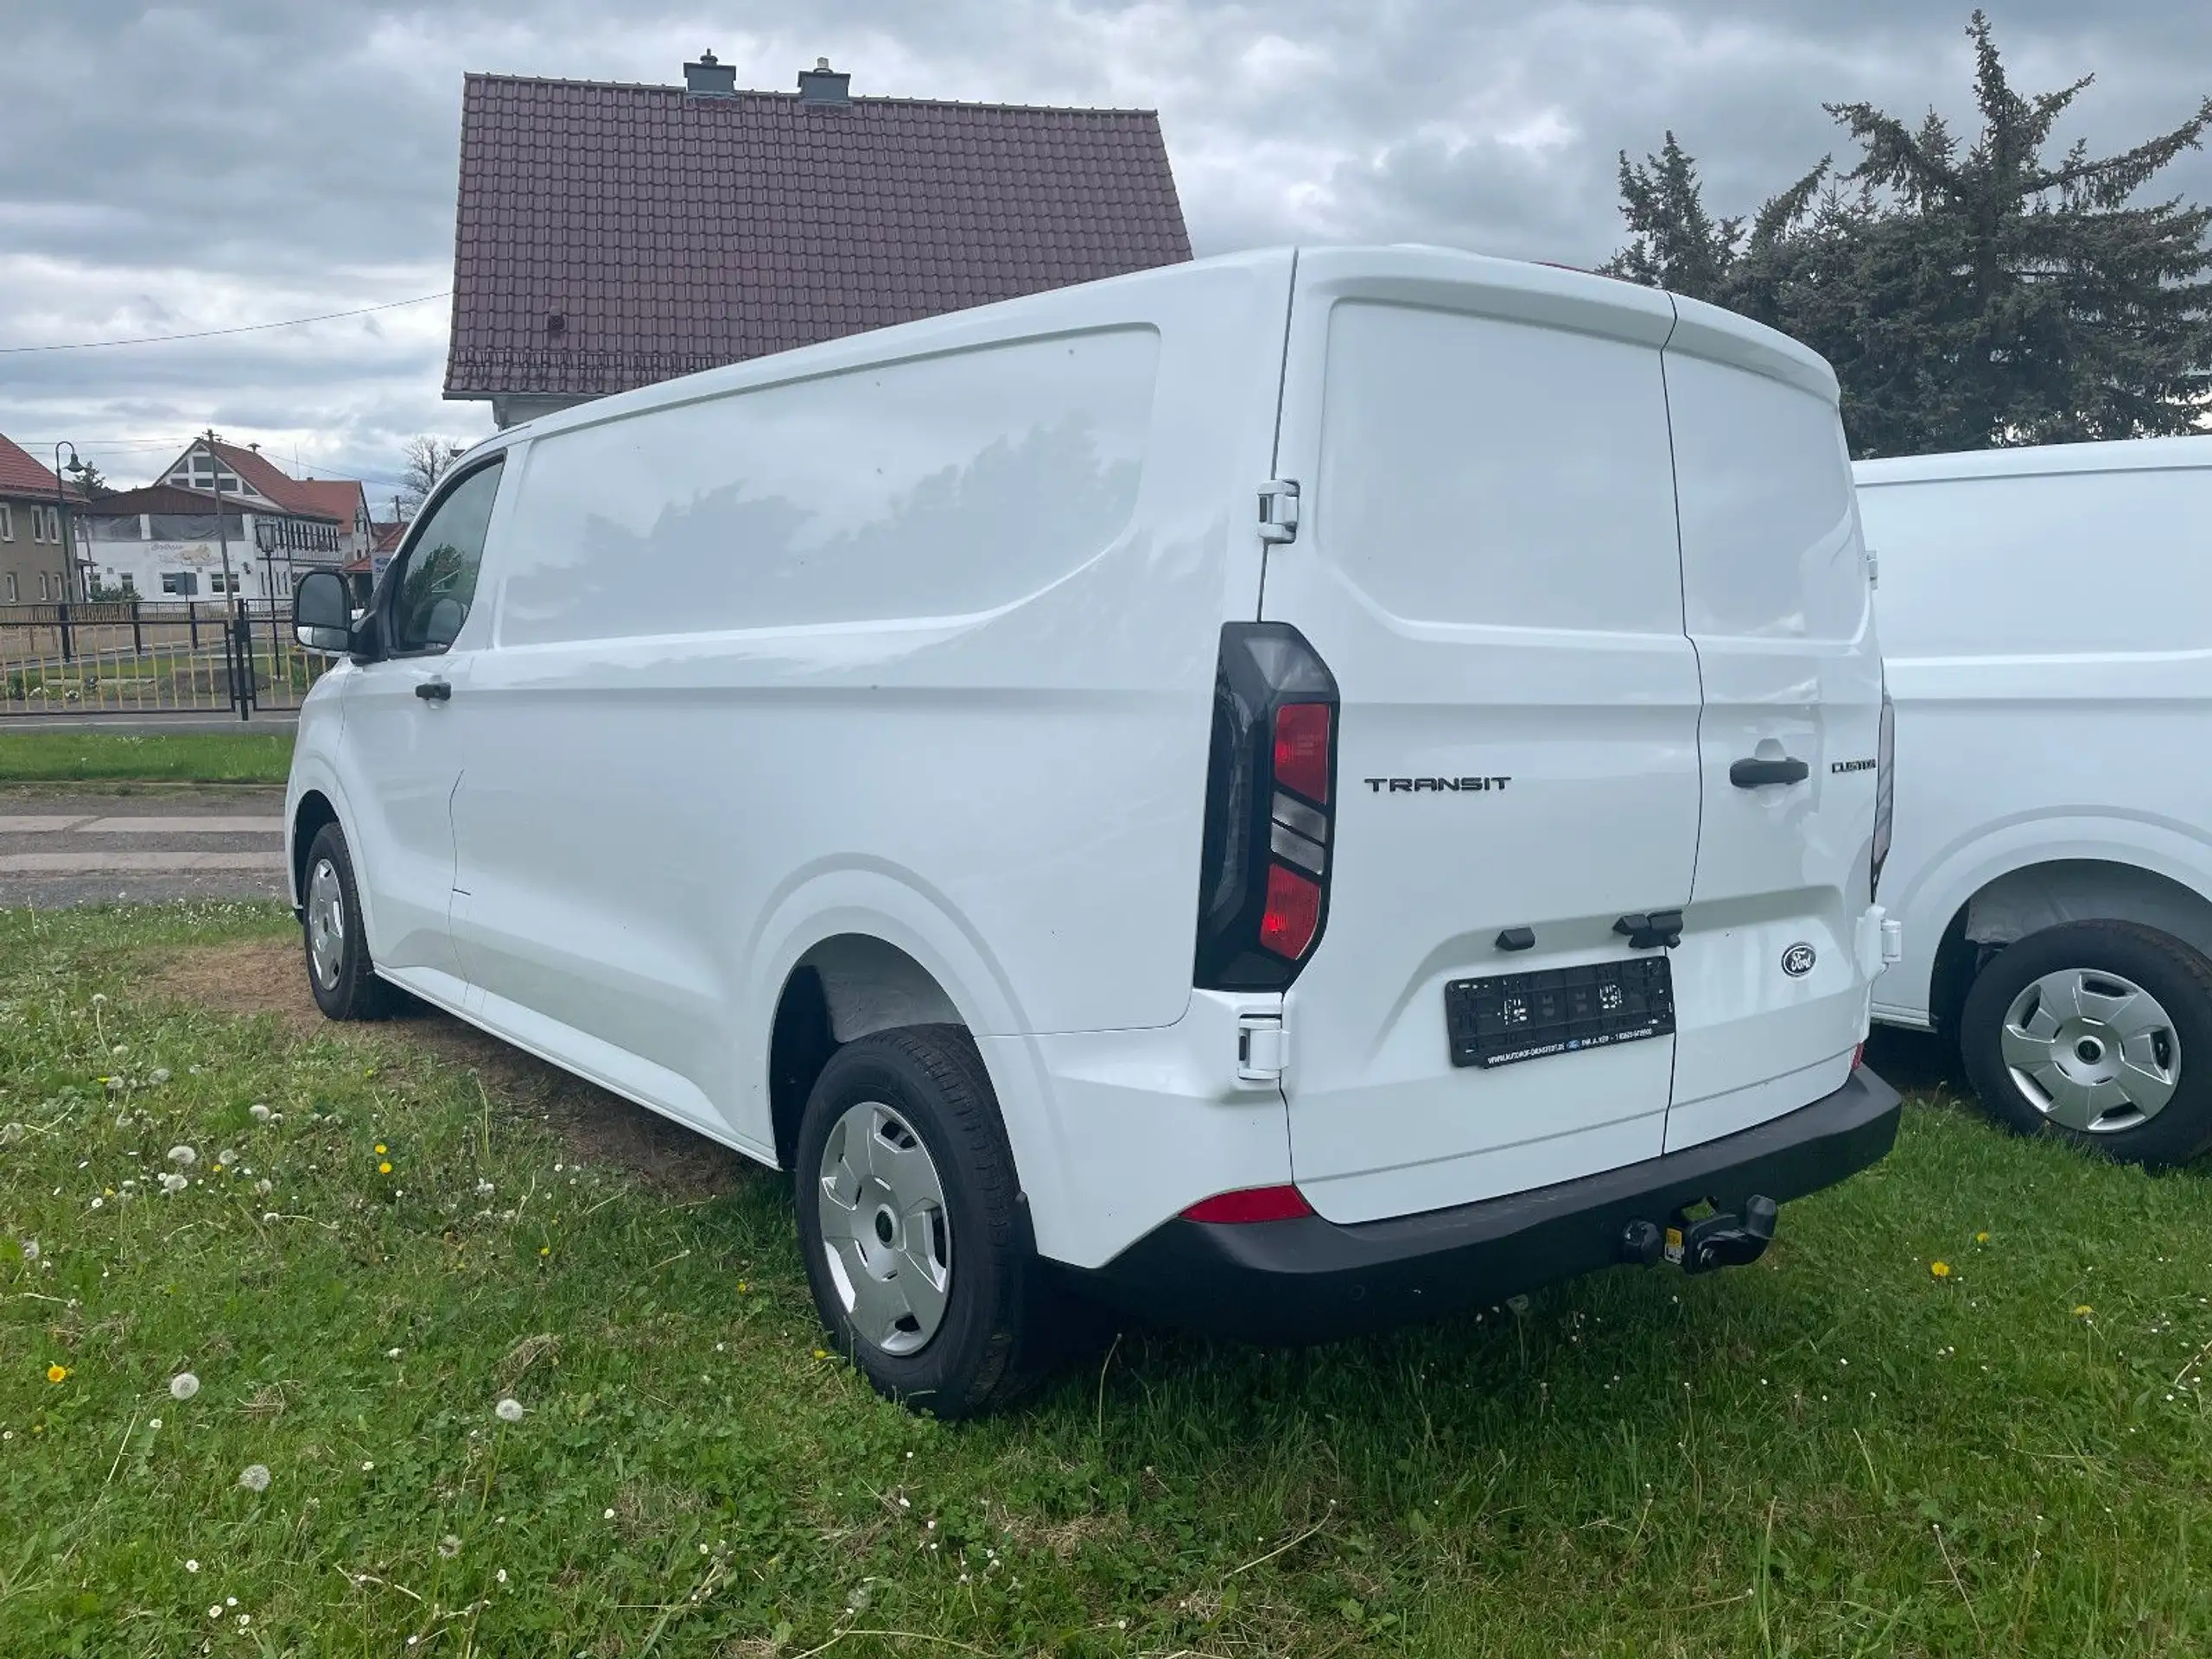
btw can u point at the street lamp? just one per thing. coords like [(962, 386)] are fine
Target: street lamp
[(61, 513)]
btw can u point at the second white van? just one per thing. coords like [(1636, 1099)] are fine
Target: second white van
[(1287, 792), (2047, 615)]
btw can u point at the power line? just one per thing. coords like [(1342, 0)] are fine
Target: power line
[(243, 329)]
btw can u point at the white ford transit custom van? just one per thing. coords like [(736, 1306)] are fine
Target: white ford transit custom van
[(2047, 616), (1290, 792)]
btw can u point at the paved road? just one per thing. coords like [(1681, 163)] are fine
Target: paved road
[(59, 848)]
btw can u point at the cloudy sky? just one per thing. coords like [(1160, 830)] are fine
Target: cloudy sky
[(176, 168)]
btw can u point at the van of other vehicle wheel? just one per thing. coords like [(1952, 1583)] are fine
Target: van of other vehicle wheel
[(1287, 792), (2047, 616)]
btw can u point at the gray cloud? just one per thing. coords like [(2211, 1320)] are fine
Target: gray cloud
[(180, 167)]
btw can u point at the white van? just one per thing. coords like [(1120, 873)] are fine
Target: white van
[(1270, 789), (2047, 615)]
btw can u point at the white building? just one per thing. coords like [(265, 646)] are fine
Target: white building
[(163, 543)]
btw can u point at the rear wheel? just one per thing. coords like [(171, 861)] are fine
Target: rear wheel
[(910, 1219), (339, 972), (2100, 1032)]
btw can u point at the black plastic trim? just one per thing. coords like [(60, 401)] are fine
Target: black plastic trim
[(1311, 1280)]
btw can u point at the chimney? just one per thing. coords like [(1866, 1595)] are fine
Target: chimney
[(824, 85), (707, 79)]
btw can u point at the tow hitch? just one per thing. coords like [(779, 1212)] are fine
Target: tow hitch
[(1720, 1240)]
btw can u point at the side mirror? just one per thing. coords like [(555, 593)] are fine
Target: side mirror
[(322, 613)]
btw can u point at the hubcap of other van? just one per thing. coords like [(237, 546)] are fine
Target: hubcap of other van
[(326, 924), (2092, 1051), (884, 1227)]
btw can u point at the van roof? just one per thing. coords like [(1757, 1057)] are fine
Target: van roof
[(2038, 460), (1581, 299)]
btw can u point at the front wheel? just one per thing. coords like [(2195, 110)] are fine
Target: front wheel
[(340, 973), (2100, 1032), (910, 1223)]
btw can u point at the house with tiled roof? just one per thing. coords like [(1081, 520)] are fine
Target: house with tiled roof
[(242, 470), (35, 531), (167, 542), (610, 235)]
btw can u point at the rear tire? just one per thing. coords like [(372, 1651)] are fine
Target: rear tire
[(2100, 1033), (911, 1221), (336, 940)]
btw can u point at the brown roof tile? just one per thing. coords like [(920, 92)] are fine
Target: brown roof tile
[(21, 475), (670, 232)]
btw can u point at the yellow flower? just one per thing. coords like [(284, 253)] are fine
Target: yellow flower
[(56, 1373), (2083, 1311), (1941, 1269), (545, 1250), (821, 1353), (1981, 1238), (741, 1287), (380, 1149), (384, 1168)]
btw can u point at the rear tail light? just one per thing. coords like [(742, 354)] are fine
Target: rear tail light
[(1858, 1056), (1252, 1204), (1884, 791), (1263, 882)]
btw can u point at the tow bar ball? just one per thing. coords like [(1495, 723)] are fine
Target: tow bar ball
[(1721, 1240)]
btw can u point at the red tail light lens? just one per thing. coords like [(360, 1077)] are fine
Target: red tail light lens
[(1293, 915), (1302, 749), (1858, 1056), (1253, 1203)]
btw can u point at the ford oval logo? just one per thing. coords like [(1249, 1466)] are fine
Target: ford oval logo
[(1797, 960)]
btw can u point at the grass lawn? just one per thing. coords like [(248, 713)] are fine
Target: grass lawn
[(1838, 1450), (243, 757)]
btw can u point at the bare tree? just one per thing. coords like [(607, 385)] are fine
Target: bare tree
[(427, 460)]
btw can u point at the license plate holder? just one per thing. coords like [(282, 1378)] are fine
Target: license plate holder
[(1505, 1019)]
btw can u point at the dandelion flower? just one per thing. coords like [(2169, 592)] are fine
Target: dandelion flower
[(2083, 1311), (381, 1148), (1941, 1269), (255, 1478), (57, 1373), (821, 1353), (30, 1250), (1981, 1238), (173, 1182), (183, 1157), (545, 1250), (160, 1075), (227, 1156), (448, 1546), (259, 1112), (384, 1168), (183, 1386), (264, 1187), (508, 1410)]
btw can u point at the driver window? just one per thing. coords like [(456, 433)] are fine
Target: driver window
[(439, 579)]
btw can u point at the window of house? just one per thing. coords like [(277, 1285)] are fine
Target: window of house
[(11, 588), (42, 585), (130, 584), (179, 581), (7, 523)]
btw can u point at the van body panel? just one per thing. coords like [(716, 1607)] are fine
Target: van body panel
[(1488, 566), (1776, 599), (1990, 679), (944, 611)]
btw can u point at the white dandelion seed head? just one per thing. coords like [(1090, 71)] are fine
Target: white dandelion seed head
[(159, 1074), (30, 1250), (183, 1157), (173, 1182), (122, 1119), (227, 1156), (99, 999), (254, 1478), (448, 1546), (183, 1386), (9, 1134), (510, 1411), (264, 1187), (259, 1112), (115, 1085)]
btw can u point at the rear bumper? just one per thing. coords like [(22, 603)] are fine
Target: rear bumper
[(1311, 1280)]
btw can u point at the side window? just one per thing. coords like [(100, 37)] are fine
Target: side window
[(434, 587)]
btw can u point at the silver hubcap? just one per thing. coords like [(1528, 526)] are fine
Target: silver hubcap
[(326, 924), (2092, 1051), (884, 1225)]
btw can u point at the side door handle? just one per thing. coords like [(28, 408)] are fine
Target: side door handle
[(1753, 774), (442, 691)]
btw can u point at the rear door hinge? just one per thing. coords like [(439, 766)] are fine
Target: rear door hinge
[(1262, 1047), (1279, 510)]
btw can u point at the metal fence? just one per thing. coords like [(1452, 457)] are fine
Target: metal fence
[(136, 656)]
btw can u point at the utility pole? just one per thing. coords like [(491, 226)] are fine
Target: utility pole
[(70, 573)]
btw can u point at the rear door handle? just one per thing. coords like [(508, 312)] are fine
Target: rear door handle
[(1752, 774), (442, 691)]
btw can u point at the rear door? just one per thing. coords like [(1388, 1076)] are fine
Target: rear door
[(1487, 563), (1770, 998)]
